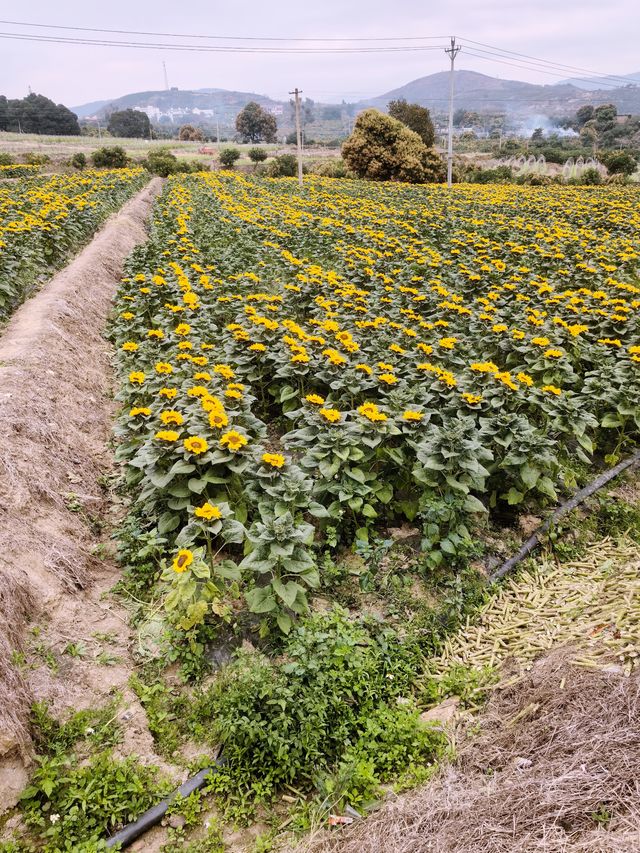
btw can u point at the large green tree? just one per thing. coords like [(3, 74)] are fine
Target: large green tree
[(129, 124), (415, 117), (382, 148), (254, 124), (37, 114)]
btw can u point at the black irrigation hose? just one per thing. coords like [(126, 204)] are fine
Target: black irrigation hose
[(154, 815), (577, 499)]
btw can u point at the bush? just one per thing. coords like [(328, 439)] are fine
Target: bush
[(590, 177), (6, 159), (257, 155), (163, 163), (383, 149), (228, 157), (189, 133), (620, 163), (33, 159), (499, 175), (110, 157), (331, 698), (78, 161), (284, 166), (333, 168)]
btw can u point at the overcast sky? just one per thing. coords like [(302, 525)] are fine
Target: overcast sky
[(595, 35)]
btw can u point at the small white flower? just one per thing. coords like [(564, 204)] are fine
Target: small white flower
[(89, 731), (54, 818)]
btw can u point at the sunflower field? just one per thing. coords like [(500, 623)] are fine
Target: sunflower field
[(43, 221), (305, 369)]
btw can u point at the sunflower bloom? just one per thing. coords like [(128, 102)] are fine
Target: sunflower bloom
[(372, 413), (275, 460), (167, 435), (331, 415), (171, 417), (208, 511), (411, 415), (196, 444), (182, 560), (233, 440)]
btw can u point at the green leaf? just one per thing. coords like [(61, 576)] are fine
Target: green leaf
[(241, 513), (328, 469), (514, 496), (611, 420), (318, 510), (159, 480), (228, 569), (447, 546), (167, 522), (286, 591), (473, 504), (586, 442), (529, 475), (362, 534), (409, 508), (285, 622), (396, 455), (545, 485), (385, 493), (287, 392), (233, 531), (260, 600), (369, 512)]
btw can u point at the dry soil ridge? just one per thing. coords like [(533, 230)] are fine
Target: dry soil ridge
[(56, 412)]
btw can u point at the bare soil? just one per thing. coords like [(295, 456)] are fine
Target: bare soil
[(56, 410)]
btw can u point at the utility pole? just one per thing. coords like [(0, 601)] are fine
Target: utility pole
[(452, 51), (297, 92), (166, 77)]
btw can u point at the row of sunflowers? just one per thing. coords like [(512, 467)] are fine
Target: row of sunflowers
[(44, 220), (300, 369)]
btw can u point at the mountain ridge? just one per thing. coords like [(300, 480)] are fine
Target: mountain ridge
[(473, 91)]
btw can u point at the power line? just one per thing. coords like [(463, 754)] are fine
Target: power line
[(213, 48), (224, 38), (554, 64), (514, 63)]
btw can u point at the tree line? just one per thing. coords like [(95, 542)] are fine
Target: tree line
[(37, 114)]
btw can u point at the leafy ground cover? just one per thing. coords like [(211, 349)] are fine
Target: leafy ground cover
[(43, 221)]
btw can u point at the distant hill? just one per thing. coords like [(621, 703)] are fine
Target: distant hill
[(89, 109), (482, 93), (473, 91), (593, 84), (178, 106)]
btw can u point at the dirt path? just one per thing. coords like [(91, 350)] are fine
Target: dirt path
[(55, 410)]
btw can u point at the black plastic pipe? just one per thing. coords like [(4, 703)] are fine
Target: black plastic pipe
[(572, 503), (154, 815)]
